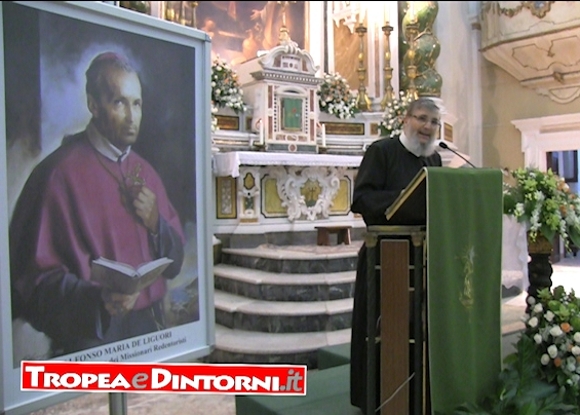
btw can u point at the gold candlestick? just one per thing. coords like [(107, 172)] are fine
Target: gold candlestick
[(388, 70), (412, 30), (193, 5), (284, 34), (362, 100)]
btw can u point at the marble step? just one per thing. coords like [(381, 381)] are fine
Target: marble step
[(296, 259), (238, 312), (264, 285), (241, 346)]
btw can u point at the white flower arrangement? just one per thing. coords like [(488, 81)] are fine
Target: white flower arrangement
[(336, 98), (391, 125), (542, 376), (553, 323), (225, 87), (545, 203)]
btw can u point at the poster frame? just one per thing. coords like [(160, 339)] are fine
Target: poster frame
[(198, 335)]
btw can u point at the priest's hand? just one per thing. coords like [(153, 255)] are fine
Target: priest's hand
[(145, 203), (118, 304)]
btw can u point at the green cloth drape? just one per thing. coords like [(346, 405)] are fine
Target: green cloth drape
[(464, 237)]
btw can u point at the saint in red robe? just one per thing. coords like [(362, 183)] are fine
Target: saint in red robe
[(74, 208)]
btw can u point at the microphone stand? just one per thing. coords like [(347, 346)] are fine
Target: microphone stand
[(446, 147)]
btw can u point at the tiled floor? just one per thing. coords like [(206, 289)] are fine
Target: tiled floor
[(566, 273)]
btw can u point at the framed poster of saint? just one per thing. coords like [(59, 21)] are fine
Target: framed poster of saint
[(106, 175)]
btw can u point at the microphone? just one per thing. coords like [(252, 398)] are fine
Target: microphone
[(446, 147)]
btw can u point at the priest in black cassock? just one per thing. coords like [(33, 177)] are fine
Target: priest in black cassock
[(387, 167)]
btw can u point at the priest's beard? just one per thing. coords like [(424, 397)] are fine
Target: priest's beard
[(415, 146)]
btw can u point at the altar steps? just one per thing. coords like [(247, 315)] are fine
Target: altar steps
[(243, 313), (281, 304), (299, 259), (241, 346), (270, 286)]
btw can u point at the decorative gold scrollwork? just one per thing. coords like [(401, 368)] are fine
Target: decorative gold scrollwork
[(537, 8)]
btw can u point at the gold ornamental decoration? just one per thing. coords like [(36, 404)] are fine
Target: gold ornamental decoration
[(538, 8)]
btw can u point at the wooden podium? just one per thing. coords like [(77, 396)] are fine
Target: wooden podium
[(397, 260), (396, 253)]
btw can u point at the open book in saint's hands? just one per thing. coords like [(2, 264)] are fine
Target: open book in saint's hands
[(125, 279)]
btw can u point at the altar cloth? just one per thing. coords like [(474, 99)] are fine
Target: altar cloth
[(228, 163)]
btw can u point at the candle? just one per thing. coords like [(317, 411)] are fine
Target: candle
[(412, 12), (323, 135), (386, 11), (262, 139)]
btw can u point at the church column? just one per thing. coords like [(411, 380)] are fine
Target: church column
[(419, 48)]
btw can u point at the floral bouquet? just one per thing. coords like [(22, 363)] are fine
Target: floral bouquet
[(553, 323), (545, 203), (225, 87), (541, 377), (391, 125), (336, 97)]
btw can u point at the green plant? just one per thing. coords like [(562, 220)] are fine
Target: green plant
[(225, 87), (336, 98), (391, 124), (545, 203)]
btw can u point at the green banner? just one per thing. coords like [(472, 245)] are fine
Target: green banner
[(464, 234)]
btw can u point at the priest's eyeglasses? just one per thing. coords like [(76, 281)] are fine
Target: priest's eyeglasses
[(423, 119)]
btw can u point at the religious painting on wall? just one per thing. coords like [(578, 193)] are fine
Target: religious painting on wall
[(346, 52), (105, 172), (239, 29)]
